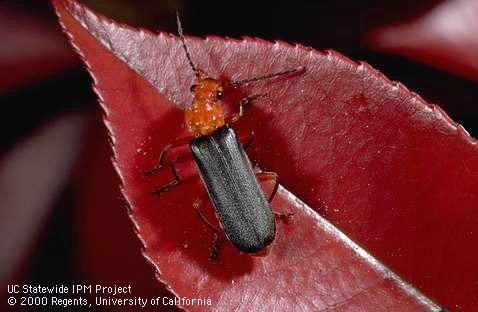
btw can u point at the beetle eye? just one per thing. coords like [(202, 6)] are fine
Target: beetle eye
[(219, 94), (193, 87)]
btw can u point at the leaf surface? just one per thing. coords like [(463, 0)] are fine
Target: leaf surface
[(395, 173)]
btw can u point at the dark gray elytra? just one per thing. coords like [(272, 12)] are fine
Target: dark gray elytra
[(237, 196)]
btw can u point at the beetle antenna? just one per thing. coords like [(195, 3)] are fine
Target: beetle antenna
[(284, 72), (181, 35)]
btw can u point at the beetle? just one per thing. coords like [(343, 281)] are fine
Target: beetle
[(240, 204)]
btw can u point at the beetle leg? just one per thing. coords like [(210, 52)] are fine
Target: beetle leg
[(178, 143), (246, 141), (218, 239), (264, 176), (283, 215), (243, 102), (167, 186)]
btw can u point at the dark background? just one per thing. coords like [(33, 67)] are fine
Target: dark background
[(338, 25)]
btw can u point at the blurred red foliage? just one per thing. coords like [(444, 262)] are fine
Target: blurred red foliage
[(445, 36), (32, 49)]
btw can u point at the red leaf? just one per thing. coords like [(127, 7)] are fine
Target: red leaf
[(392, 171), (444, 37)]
